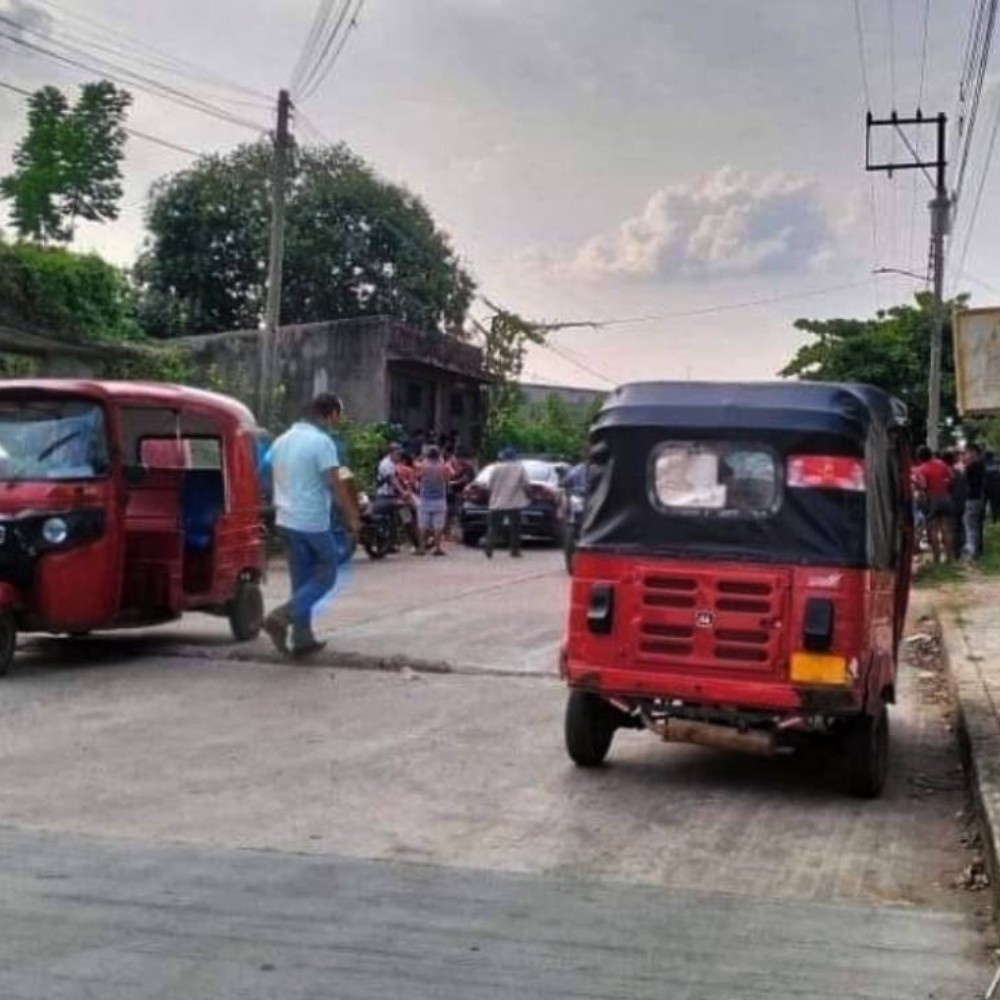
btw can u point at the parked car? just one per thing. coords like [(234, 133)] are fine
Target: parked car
[(543, 519)]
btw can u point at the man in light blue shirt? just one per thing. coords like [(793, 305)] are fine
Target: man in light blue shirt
[(305, 469)]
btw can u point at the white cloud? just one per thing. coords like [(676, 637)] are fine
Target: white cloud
[(726, 223)]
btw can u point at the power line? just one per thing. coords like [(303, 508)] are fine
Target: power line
[(920, 100), (978, 59), (306, 61), (732, 306), (892, 52), (128, 78), (175, 64), (136, 133), (859, 31), (321, 73), (970, 227), (862, 60)]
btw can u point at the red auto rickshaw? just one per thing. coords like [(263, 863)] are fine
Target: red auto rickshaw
[(125, 504), (742, 575)]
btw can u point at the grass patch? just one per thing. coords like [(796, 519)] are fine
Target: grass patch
[(989, 564), (938, 575)]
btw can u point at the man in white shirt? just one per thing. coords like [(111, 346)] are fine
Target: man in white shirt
[(306, 472)]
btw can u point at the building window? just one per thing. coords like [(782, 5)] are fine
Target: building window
[(457, 404), (414, 395)]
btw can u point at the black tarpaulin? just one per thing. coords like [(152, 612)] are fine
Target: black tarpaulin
[(806, 526)]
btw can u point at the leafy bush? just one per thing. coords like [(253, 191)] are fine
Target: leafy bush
[(79, 296), (547, 428)]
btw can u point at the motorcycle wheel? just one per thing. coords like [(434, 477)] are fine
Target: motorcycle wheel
[(376, 542)]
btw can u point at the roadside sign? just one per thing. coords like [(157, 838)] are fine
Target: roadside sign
[(976, 334)]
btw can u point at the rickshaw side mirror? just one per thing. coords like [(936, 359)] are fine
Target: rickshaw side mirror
[(818, 631)]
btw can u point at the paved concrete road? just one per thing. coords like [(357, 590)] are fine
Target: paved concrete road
[(675, 872), (83, 919), (473, 615)]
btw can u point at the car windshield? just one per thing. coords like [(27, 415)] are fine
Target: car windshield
[(538, 472), (52, 439)]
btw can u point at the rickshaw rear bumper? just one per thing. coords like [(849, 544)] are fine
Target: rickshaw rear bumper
[(733, 694)]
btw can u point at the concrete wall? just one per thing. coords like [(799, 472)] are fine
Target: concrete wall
[(350, 357)]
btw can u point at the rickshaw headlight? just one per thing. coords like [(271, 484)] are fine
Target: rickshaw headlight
[(55, 531)]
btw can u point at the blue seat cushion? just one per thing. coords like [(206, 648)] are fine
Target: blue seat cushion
[(202, 501)]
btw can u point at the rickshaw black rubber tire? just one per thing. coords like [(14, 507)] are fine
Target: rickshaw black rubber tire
[(867, 755), (472, 538), (8, 642), (246, 611), (590, 727)]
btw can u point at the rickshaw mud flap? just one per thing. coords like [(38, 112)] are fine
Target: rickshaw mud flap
[(709, 734)]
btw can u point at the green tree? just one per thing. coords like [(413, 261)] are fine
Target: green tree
[(68, 166), (354, 245), (505, 345), (891, 351)]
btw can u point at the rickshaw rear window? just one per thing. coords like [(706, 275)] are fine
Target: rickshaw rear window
[(725, 478), (52, 439)]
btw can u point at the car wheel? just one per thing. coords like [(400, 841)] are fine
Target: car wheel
[(867, 754), (246, 611), (590, 727), (8, 642)]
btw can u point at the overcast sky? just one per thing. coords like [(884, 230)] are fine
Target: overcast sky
[(593, 159)]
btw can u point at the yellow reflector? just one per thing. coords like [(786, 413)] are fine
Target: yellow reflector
[(818, 668)]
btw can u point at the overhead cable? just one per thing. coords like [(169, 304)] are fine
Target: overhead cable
[(126, 77), (136, 133)]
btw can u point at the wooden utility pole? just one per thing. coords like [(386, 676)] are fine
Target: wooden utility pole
[(272, 311), (940, 208)]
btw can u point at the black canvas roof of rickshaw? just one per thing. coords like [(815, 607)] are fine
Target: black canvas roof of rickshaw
[(845, 410)]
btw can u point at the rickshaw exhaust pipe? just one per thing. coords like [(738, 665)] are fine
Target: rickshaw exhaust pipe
[(708, 734)]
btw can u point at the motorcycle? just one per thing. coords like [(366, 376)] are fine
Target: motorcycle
[(384, 524)]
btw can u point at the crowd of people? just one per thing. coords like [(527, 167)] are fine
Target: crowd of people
[(426, 488), (954, 491)]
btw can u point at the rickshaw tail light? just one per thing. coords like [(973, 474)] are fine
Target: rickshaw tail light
[(819, 668), (826, 472)]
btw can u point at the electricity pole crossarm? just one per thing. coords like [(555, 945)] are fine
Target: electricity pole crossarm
[(940, 207), (272, 310)]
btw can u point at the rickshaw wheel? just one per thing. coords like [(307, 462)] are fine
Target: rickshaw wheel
[(868, 755), (246, 611), (590, 727), (8, 642)]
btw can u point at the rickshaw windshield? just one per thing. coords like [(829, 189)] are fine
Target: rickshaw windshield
[(52, 439)]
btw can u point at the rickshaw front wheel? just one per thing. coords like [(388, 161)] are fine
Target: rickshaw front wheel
[(246, 611), (8, 642), (867, 747), (590, 727)]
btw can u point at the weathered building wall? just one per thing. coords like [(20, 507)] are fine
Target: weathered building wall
[(376, 365)]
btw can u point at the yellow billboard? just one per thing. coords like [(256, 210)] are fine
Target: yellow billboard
[(976, 334)]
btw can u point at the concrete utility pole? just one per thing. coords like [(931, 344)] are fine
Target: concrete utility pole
[(940, 208), (272, 310)]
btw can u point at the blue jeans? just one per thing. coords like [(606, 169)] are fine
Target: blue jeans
[(312, 565), (974, 510)]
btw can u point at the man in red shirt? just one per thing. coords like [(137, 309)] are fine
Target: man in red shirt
[(932, 482)]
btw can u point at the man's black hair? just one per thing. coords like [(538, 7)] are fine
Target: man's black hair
[(324, 406), (924, 453)]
